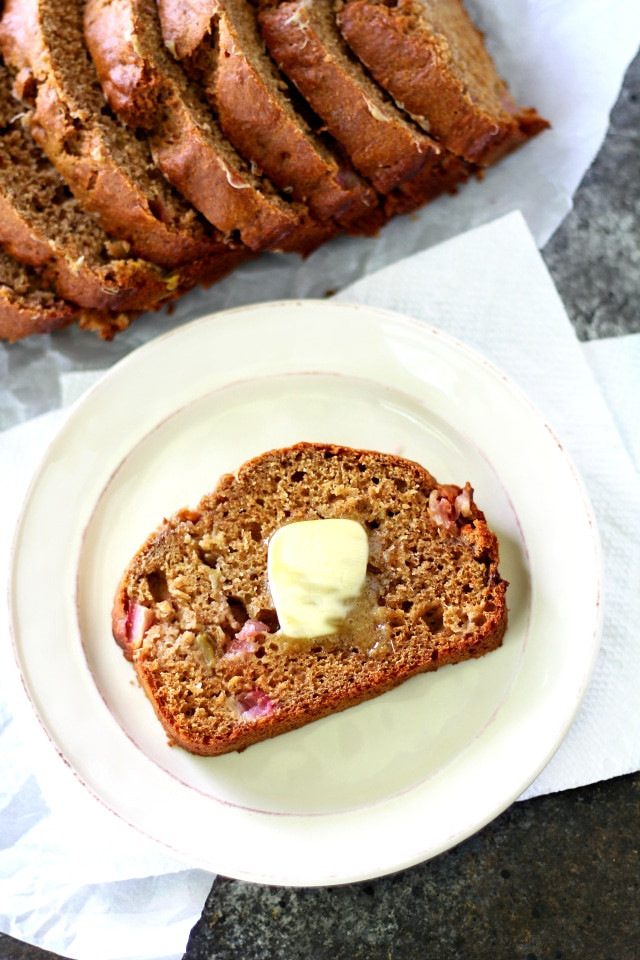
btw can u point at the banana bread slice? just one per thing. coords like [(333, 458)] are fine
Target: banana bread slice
[(195, 614), (219, 43), (429, 56), (382, 142), (42, 225), (150, 91), (26, 306), (107, 168)]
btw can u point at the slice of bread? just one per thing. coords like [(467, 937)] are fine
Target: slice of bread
[(26, 306), (219, 43), (402, 162), (43, 226), (29, 306), (432, 60), (108, 169), (382, 144), (151, 92), (195, 614)]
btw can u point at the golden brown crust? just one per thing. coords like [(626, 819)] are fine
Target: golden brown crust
[(194, 613), (20, 319), (381, 143), (105, 166), (148, 90), (26, 306), (240, 81), (409, 49)]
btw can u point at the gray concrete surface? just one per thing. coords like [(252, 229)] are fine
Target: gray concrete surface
[(554, 878), (594, 257)]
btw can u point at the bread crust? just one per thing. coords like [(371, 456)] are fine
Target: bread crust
[(380, 142), (69, 123), (20, 318), (147, 89), (448, 605), (411, 58), (26, 306), (220, 44)]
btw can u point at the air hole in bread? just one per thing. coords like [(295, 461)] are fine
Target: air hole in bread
[(158, 587), (237, 610), (373, 525), (270, 620), (434, 618), (298, 475), (255, 530)]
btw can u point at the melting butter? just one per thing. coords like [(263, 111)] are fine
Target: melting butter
[(316, 570)]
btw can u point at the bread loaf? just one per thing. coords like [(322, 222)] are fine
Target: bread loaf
[(195, 609)]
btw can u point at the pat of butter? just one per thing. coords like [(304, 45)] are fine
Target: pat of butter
[(316, 570)]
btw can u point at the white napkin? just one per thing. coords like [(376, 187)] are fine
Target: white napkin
[(615, 363), (76, 880)]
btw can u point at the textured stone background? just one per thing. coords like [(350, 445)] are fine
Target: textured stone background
[(595, 255), (554, 878)]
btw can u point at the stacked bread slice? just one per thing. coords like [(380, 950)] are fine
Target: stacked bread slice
[(148, 146)]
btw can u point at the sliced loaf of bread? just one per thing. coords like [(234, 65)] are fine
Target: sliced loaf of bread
[(149, 91), (195, 612), (219, 43), (433, 61), (107, 168)]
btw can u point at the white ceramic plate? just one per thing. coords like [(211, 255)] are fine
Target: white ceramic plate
[(395, 780)]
